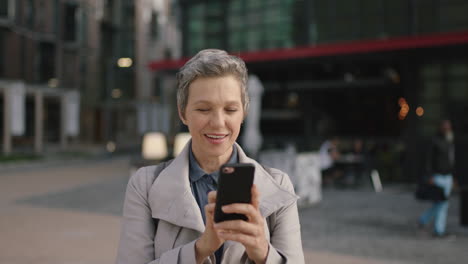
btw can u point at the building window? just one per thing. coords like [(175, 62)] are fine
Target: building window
[(4, 8), (70, 22), (157, 89), (154, 25), (82, 26), (214, 23), (56, 16), (2, 51), (205, 26), (108, 10), (260, 24), (457, 82), (453, 16), (18, 12), (41, 23), (195, 28), (127, 46), (46, 62), (29, 13), (238, 25)]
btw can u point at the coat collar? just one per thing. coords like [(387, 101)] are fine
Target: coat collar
[(171, 198)]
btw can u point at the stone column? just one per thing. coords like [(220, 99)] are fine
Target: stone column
[(38, 124), (6, 121), (63, 121)]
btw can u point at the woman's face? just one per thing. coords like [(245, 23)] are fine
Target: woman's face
[(214, 114)]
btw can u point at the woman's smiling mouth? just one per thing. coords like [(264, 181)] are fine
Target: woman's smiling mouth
[(216, 138)]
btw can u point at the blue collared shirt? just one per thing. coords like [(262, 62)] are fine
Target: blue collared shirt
[(202, 183)]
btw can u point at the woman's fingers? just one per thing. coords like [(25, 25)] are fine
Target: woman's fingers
[(255, 196), (249, 233), (237, 226), (252, 214), (209, 208), (212, 197), (245, 239)]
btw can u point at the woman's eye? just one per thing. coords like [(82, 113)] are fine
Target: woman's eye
[(231, 110), (202, 110)]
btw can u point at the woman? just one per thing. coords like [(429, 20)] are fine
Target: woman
[(168, 212)]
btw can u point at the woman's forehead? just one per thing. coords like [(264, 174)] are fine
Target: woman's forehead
[(208, 89)]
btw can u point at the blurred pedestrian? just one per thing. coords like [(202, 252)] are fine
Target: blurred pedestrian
[(358, 164), (329, 156), (440, 168), (169, 219)]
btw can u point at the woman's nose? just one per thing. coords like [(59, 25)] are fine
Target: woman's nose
[(217, 119)]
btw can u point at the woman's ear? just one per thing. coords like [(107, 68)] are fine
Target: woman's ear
[(181, 116)]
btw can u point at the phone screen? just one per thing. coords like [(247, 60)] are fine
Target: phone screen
[(234, 186)]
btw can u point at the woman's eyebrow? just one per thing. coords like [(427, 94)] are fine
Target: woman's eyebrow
[(233, 103), (209, 102), (202, 102)]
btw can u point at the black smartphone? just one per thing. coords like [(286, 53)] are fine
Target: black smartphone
[(234, 186)]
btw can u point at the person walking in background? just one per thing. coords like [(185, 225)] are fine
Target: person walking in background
[(440, 166), (329, 155)]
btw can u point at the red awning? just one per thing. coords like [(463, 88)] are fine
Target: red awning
[(366, 46)]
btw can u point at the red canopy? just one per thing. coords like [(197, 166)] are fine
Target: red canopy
[(361, 46)]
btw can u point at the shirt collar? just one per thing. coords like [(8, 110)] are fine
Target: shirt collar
[(196, 172)]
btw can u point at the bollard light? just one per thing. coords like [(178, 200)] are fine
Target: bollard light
[(180, 141), (154, 146), (124, 62), (110, 146)]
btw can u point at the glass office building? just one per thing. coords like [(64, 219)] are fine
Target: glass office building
[(252, 25)]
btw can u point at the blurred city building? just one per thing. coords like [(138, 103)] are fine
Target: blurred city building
[(382, 70), (35, 83), (75, 70), (103, 71), (134, 32)]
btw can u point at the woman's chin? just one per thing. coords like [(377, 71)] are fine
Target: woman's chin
[(217, 150)]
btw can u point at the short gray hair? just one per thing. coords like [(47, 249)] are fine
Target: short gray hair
[(211, 63)]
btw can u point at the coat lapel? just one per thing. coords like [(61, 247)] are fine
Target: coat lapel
[(272, 194), (272, 197), (171, 198)]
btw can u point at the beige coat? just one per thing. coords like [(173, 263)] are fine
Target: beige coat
[(180, 224)]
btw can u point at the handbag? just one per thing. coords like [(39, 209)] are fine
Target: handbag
[(430, 192)]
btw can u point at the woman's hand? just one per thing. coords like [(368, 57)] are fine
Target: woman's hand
[(209, 242), (250, 233)]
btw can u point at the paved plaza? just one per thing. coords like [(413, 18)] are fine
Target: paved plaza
[(70, 214), (379, 228)]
